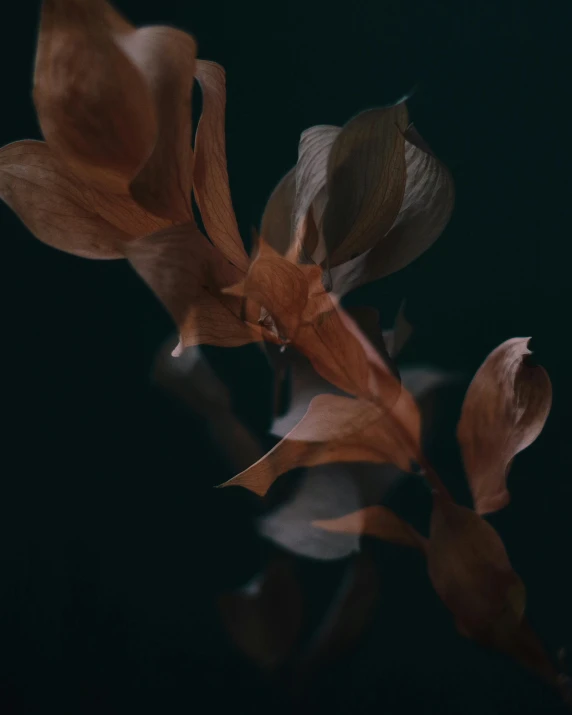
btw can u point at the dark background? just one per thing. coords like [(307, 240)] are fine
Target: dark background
[(114, 544)]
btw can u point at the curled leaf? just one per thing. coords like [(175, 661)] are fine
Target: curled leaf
[(327, 492), (276, 223), (94, 106), (166, 59), (311, 177), (470, 570), (377, 521), (211, 185), (504, 411), (53, 205), (187, 274), (340, 429), (366, 182), (264, 619)]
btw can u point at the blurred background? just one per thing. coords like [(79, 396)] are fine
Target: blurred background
[(115, 548)]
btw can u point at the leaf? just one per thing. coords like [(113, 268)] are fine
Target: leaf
[(114, 103), (377, 521), (276, 222), (53, 205), (427, 206), (187, 273), (366, 182), (340, 429), (166, 58), (264, 620), (505, 409), (211, 185), (470, 570), (326, 492), (94, 106), (278, 286), (311, 177)]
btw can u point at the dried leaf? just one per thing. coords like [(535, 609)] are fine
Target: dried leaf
[(327, 492), (340, 429), (366, 182), (278, 286), (470, 570), (265, 618), (166, 58), (427, 206), (505, 409), (94, 106), (377, 521), (311, 177), (187, 273), (276, 222), (53, 205), (114, 103), (211, 185)]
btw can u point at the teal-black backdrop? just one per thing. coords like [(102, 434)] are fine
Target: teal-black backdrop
[(114, 544)]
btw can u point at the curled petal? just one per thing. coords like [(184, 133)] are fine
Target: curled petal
[(93, 103), (187, 274), (505, 409), (53, 205), (211, 185), (339, 429), (377, 521), (366, 182)]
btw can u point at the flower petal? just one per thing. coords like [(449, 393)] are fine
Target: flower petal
[(339, 429), (186, 272), (211, 185), (366, 182), (505, 409), (94, 106), (53, 205)]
